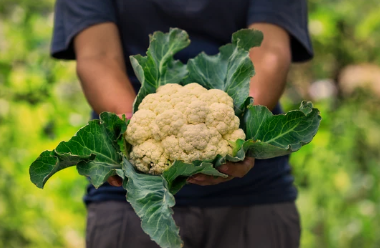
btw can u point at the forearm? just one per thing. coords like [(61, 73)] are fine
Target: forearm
[(105, 84), (101, 69), (272, 61)]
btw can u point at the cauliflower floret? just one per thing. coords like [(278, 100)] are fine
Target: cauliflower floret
[(188, 149), (192, 156), (210, 152), (224, 148), (172, 149), (223, 118), (149, 102), (215, 136), (216, 96), (213, 145), (194, 89), (181, 100), (149, 157), (196, 112), (138, 130), (168, 123), (235, 135), (193, 137), (235, 123), (169, 89), (157, 103), (185, 96)]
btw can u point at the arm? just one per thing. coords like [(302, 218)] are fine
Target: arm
[(272, 61), (101, 69)]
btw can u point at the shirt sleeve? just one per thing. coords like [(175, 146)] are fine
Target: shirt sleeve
[(73, 16), (292, 16)]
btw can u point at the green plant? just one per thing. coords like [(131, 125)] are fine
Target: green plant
[(98, 149)]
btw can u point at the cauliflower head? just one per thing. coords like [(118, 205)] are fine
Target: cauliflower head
[(184, 123)]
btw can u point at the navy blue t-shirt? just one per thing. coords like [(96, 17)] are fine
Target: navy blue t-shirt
[(210, 24)]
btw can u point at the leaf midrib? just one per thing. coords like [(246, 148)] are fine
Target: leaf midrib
[(164, 58), (95, 152), (279, 136)]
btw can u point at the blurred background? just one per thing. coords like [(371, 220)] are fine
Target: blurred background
[(338, 174)]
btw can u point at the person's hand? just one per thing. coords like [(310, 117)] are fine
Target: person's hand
[(237, 169), (116, 180)]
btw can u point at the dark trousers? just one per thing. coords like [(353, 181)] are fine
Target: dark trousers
[(115, 225)]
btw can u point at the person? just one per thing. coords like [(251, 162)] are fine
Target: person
[(255, 206)]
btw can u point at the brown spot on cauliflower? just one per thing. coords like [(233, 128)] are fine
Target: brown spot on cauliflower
[(149, 157)]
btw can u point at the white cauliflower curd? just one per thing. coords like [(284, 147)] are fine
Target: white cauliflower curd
[(184, 123)]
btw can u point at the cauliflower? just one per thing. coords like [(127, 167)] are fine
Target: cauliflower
[(235, 135), (223, 118), (149, 157), (138, 130), (167, 123), (184, 123)]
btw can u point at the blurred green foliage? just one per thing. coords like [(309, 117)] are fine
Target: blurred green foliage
[(40, 104), (344, 32), (338, 174)]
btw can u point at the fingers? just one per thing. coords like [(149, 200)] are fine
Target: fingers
[(238, 169), (115, 181), (233, 170), (204, 180)]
